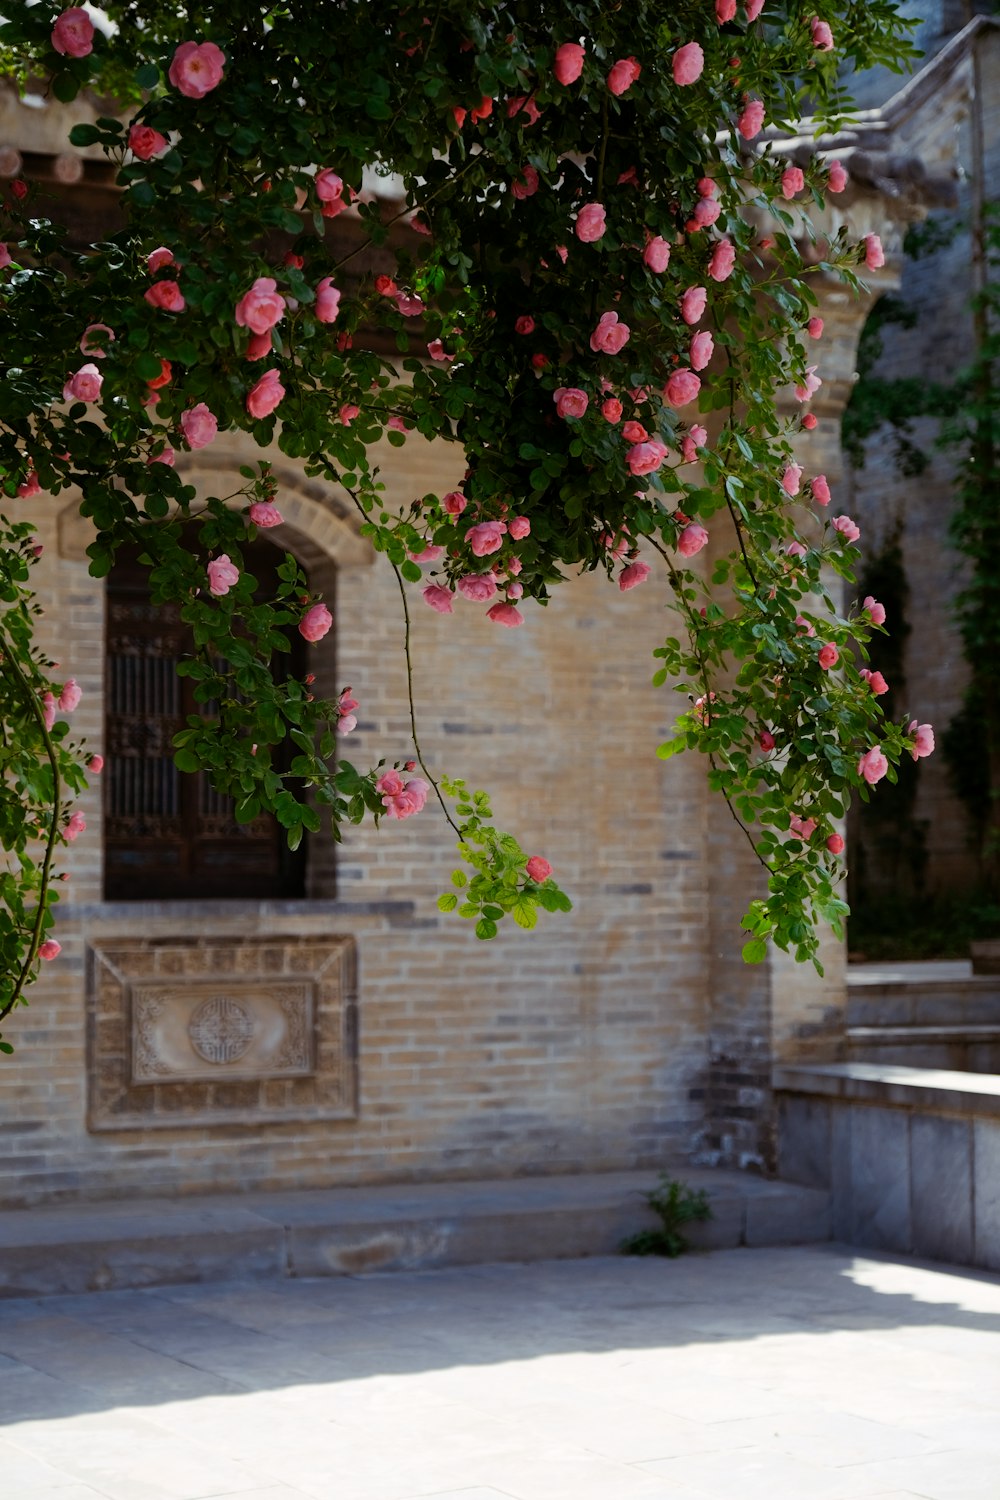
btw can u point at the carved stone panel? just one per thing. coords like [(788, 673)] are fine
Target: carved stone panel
[(241, 1030)]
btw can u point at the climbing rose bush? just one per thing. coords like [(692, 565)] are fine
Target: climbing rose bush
[(577, 296)]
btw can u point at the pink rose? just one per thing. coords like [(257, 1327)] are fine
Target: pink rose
[(478, 587), (222, 575), (657, 254), (814, 328), (396, 424), (437, 351), (347, 413), (570, 401), (611, 409), (165, 456), (525, 185), (634, 432), (791, 478), (809, 386), (199, 426), (505, 614), (525, 324), (693, 304), (87, 345), (822, 36), (401, 799), (259, 345), (792, 182), (49, 709), (85, 385), (265, 515), (315, 623), (873, 765), (692, 539), (682, 387), (828, 656), (261, 307), (196, 69), (50, 949), (70, 695), (591, 223), (623, 74), (95, 765), (835, 844), (805, 625), (837, 178), (633, 575), (30, 486), (723, 259), (847, 528), (454, 503), (263, 397), (522, 105), (167, 296), (329, 187), (701, 351), (796, 549), (809, 421), (438, 598), (5, 257), (751, 121), (409, 304), (426, 554), (645, 458), (74, 827), (820, 489), (766, 741), (753, 10), (327, 300), (688, 63), (538, 869), (874, 254), (73, 33), (568, 62), (706, 211), (519, 528), (924, 739), (875, 681), (485, 538), (610, 336), (725, 10), (144, 142), (158, 258), (803, 828), (875, 610)]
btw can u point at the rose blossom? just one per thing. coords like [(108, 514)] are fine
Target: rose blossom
[(144, 142), (164, 378), (167, 296), (822, 36), (766, 740), (165, 456), (657, 254), (701, 351), (70, 695), (802, 828), (538, 869), (790, 479), (48, 709), (263, 397), (692, 539), (95, 765), (723, 259), (820, 489), (814, 328), (505, 614), (199, 425), (645, 458), (848, 529), (623, 74), (633, 575), (591, 223), (634, 432), (409, 304), (725, 10), (875, 681), (485, 538), (50, 949), (809, 421), (753, 9), (570, 401), (73, 33), (5, 257), (196, 69), (751, 121), (525, 185), (828, 656), (437, 351), (347, 413), (875, 610), (874, 254), (74, 827), (873, 765), (568, 62), (401, 799), (261, 307), (688, 62), (315, 623), (30, 488), (809, 386), (158, 258), (835, 844), (525, 324), (329, 187), (426, 554), (454, 503), (222, 575), (438, 598), (96, 351), (327, 300), (477, 586), (610, 336), (519, 528), (85, 385), (792, 182), (693, 304), (611, 410), (264, 514), (924, 742), (682, 388), (837, 178), (523, 105)]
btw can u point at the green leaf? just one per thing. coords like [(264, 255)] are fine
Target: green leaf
[(755, 951), (486, 929), (447, 901), (524, 913)]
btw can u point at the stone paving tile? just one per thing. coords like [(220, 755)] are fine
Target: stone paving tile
[(798, 1374)]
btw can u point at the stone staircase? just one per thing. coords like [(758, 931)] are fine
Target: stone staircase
[(924, 1016)]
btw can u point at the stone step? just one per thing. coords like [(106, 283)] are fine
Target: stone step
[(967, 1049), (351, 1231), (923, 1001)]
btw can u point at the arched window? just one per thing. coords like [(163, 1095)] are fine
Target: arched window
[(168, 835)]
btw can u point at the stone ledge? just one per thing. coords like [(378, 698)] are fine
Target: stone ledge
[(938, 1090), (347, 1231)]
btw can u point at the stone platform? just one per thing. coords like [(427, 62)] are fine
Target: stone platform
[(346, 1231)]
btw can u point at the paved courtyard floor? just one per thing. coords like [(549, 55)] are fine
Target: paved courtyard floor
[(790, 1374)]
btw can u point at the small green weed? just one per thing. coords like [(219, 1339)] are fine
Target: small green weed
[(677, 1205)]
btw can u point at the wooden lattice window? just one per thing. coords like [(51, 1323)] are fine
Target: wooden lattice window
[(169, 835)]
